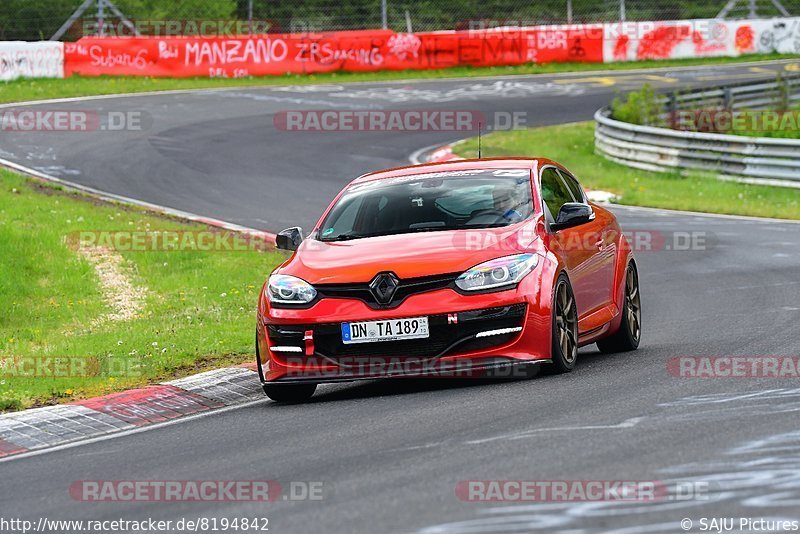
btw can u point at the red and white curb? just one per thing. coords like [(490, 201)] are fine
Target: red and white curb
[(445, 153), (51, 426), (442, 154)]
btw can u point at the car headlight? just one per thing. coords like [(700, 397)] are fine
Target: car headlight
[(497, 273), (285, 289)]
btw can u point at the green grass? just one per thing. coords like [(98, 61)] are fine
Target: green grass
[(38, 89), (198, 310), (573, 146)]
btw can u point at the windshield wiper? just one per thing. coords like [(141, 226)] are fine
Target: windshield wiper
[(484, 225), (431, 229), (428, 226), (347, 236)]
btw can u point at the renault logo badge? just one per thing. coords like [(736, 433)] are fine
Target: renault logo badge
[(383, 287)]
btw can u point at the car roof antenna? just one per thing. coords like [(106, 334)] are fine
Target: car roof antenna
[(480, 127)]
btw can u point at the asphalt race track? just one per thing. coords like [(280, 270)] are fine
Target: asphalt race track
[(390, 454)]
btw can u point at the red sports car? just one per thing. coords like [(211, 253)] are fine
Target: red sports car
[(467, 268)]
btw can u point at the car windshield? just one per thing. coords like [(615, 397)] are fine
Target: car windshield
[(430, 202)]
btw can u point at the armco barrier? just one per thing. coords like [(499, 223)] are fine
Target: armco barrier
[(666, 149), (19, 59), (750, 95)]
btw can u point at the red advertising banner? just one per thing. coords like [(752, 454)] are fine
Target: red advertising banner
[(373, 50), (356, 51)]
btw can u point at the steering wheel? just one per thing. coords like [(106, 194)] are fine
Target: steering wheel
[(496, 215), (487, 211)]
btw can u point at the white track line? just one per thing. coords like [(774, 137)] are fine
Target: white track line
[(136, 430), (104, 97), (708, 215), (416, 157), (111, 197)]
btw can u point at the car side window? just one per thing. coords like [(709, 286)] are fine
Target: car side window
[(574, 187), (554, 193)]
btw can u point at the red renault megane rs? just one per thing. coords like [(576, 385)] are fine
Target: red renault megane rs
[(447, 269)]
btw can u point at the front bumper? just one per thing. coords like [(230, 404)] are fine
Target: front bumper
[(484, 368), (474, 335), (450, 333)]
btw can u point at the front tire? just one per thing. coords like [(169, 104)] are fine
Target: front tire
[(630, 329), (565, 327), (289, 393)]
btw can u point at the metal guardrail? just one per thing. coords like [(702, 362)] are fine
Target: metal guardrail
[(732, 156), (748, 95)]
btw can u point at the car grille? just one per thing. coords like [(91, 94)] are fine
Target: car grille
[(445, 338), (405, 288)]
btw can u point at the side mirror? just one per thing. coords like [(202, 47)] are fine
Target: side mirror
[(573, 214), (289, 239)]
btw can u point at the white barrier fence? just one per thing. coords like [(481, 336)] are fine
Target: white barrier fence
[(680, 39), (19, 59)]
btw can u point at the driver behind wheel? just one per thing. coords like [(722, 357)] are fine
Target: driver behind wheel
[(507, 202)]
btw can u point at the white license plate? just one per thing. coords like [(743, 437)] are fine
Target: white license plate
[(388, 330)]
